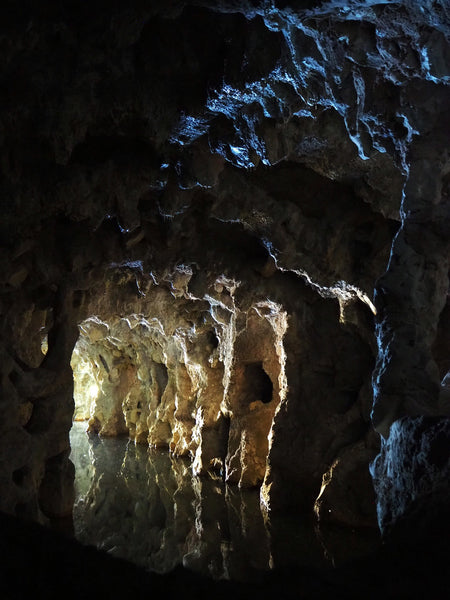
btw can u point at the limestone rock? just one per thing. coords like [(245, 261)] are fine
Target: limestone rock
[(411, 477)]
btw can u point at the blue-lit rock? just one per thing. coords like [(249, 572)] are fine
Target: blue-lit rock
[(411, 476)]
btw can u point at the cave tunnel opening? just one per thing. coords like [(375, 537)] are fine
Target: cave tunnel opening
[(135, 401), (124, 385), (168, 375), (191, 378)]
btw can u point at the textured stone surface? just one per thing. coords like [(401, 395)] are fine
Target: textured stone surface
[(411, 476), (211, 384), (221, 167)]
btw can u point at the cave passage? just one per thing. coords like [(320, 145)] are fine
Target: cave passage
[(145, 504), (171, 449), (249, 247), (143, 455), (170, 381)]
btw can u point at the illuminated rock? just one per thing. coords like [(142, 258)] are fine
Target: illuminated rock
[(411, 476)]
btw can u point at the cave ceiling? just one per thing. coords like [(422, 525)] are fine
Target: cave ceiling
[(227, 116)]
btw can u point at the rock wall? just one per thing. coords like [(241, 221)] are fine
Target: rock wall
[(243, 208), (200, 383)]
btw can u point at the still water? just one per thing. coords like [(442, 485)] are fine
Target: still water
[(145, 506)]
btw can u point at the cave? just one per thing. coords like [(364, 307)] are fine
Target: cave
[(225, 241)]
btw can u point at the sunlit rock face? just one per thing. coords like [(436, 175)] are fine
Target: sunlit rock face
[(198, 376), (240, 211)]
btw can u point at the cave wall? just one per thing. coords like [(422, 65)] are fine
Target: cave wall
[(273, 179)]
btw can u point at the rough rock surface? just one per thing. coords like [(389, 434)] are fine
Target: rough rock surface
[(411, 476), (268, 182), (204, 385)]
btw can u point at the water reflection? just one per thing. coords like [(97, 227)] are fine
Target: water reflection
[(145, 506)]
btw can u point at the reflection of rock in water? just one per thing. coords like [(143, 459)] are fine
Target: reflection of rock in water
[(147, 507)]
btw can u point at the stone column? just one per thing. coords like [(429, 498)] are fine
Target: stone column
[(53, 409)]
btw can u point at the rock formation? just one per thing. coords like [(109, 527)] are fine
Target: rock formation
[(237, 213)]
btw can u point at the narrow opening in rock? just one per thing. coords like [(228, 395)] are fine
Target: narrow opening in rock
[(162, 378), (19, 475), (259, 382)]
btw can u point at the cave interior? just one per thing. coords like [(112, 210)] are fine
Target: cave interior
[(225, 234)]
